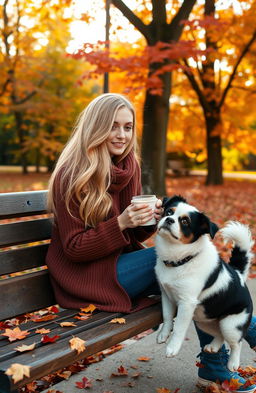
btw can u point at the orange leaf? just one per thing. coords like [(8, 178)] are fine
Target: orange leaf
[(77, 344), (15, 334), (37, 318), (118, 320), (18, 371), (83, 317), (90, 308), (144, 359), (67, 324), (42, 331), (163, 390), (24, 348)]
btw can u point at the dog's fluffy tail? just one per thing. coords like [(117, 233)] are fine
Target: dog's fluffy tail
[(242, 255)]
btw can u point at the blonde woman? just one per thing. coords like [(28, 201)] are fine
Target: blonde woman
[(96, 255)]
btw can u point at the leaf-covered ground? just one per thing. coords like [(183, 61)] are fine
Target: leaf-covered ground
[(235, 200)]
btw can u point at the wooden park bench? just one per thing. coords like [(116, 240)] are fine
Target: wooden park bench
[(177, 168), (23, 245)]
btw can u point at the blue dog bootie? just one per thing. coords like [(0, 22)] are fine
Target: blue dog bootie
[(213, 368)]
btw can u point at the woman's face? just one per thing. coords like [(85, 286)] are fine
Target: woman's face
[(121, 132)]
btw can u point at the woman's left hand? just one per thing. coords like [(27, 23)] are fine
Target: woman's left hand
[(158, 210)]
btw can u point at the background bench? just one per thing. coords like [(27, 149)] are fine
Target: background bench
[(177, 168), (23, 246)]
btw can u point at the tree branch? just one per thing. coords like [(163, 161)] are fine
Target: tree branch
[(133, 19), (175, 28), (232, 76), (196, 87)]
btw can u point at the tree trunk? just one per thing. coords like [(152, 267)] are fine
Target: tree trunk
[(213, 127), (153, 149)]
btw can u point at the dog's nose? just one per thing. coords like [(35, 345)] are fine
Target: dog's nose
[(169, 220)]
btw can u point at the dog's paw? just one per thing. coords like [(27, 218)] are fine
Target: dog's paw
[(233, 365), (211, 348), (162, 337), (172, 348), (171, 351)]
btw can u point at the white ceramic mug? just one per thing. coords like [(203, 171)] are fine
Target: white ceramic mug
[(147, 200)]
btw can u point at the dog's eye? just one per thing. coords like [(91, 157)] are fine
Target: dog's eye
[(184, 221), (170, 212)]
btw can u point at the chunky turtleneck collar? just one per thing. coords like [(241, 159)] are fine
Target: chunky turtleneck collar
[(122, 173)]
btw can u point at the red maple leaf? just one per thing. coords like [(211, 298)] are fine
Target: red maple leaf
[(47, 339), (84, 384)]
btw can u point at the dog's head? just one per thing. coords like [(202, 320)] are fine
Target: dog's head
[(183, 223)]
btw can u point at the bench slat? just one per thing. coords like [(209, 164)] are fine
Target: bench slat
[(56, 356), (20, 259), (25, 293), (25, 231), (20, 204), (7, 351)]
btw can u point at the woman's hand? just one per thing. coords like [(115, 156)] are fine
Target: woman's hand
[(135, 215), (158, 212)]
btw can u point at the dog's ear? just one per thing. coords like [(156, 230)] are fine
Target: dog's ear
[(164, 201), (175, 199), (207, 226)]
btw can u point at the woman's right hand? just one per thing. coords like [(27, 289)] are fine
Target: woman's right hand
[(134, 216)]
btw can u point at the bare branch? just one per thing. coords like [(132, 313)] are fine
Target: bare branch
[(135, 21), (196, 87), (232, 76), (175, 28)]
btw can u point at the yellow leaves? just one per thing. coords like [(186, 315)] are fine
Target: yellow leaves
[(77, 344), (67, 324), (90, 308), (18, 371), (118, 320), (15, 334), (163, 390), (24, 348), (42, 331)]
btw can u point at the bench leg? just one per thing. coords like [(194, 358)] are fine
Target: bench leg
[(5, 386)]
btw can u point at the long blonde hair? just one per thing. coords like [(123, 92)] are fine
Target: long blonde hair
[(85, 162)]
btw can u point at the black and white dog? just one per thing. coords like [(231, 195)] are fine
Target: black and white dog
[(197, 284)]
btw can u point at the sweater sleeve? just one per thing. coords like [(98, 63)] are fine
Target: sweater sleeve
[(85, 245)]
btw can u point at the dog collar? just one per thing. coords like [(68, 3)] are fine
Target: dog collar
[(180, 262)]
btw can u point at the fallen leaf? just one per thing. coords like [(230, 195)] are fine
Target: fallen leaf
[(77, 344), (163, 390), (89, 308), (54, 309), (144, 359), (24, 348), (64, 374), (84, 384), (67, 324), (118, 320), (15, 334), (83, 317), (42, 331), (122, 372), (18, 371), (38, 318), (47, 339)]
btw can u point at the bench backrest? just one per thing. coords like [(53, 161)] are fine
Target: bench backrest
[(24, 279)]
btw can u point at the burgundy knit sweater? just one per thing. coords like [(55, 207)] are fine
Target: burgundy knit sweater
[(82, 262)]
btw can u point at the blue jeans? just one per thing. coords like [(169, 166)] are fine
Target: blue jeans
[(136, 274)]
